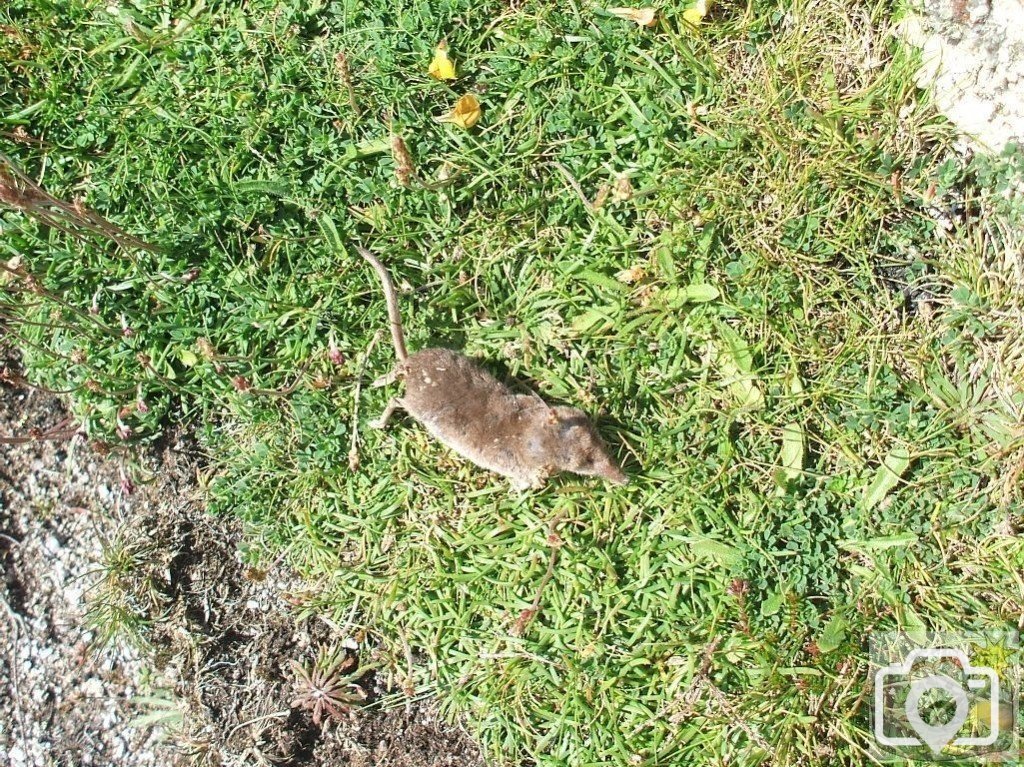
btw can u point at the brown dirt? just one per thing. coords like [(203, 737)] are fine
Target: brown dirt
[(211, 669)]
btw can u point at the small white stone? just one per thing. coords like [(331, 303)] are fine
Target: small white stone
[(92, 688), (978, 11), (17, 756)]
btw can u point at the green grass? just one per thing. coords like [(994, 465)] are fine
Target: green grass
[(767, 161)]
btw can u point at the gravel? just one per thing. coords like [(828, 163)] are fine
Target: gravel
[(67, 703), (217, 639)]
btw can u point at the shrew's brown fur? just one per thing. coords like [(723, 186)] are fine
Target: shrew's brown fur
[(516, 435)]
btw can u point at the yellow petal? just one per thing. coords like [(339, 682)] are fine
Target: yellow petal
[(695, 14), (645, 17), (441, 67), (465, 113)]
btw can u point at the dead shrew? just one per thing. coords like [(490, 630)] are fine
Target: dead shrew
[(518, 436)]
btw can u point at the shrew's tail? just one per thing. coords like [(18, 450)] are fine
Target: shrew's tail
[(391, 299)]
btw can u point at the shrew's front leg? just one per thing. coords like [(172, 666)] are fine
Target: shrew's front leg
[(392, 406), (526, 480)]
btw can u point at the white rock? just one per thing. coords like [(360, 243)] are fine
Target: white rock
[(92, 688), (973, 66)]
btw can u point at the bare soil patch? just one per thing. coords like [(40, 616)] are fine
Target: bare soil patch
[(212, 679)]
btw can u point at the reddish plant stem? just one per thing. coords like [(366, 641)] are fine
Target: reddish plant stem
[(59, 432), (20, 192)]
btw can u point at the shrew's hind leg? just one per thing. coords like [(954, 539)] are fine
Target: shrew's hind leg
[(382, 421)]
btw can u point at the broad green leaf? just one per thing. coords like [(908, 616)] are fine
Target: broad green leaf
[(330, 232), (722, 553), (888, 475), (260, 186), (666, 262), (697, 293), (912, 624), (773, 603), (833, 634), (796, 386), (593, 320), (603, 280), (791, 457), (1000, 426), (735, 365)]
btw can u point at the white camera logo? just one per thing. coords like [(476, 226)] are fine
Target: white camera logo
[(937, 737)]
